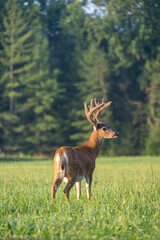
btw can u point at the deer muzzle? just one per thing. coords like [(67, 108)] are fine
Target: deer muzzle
[(115, 134)]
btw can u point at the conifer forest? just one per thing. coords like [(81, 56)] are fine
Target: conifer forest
[(56, 55)]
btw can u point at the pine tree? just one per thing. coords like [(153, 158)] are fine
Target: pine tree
[(2, 6), (153, 118), (17, 47), (65, 21), (29, 88), (93, 72)]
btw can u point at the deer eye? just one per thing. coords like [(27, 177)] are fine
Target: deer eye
[(104, 129)]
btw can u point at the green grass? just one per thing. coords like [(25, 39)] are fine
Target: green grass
[(125, 202)]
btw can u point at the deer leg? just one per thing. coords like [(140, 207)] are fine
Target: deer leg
[(78, 186), (88, 186), (56, 183), (68, 187)]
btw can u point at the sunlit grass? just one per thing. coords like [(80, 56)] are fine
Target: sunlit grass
[(124, 204)]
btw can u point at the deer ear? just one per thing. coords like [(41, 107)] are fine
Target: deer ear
[(96, 125)]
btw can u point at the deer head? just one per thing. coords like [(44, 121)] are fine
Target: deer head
[(102, 129)]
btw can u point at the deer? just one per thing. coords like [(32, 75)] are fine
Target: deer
[(73, 164)]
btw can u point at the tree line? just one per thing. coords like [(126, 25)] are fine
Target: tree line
[(56, 55)]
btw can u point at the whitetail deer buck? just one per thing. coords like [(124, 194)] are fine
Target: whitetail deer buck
[(72, 164)]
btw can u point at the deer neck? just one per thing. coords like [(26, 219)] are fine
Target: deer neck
[(95, 142)]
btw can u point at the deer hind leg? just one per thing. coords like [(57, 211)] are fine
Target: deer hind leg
[(88, 186), (78, 186), (68, 187), (56, 183), (59, 166)]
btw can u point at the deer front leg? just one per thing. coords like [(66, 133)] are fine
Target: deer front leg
[(68, 187), (88, 186), (78, 186)]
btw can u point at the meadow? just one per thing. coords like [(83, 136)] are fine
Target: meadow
[(124, 203)]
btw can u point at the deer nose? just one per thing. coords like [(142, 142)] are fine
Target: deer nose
[(117, 133)]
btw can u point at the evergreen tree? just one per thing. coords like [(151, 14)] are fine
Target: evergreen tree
[(26, 80), (126, 53), (153, 116), (17, 47), (93, 72), (65, 22), (2, 6)]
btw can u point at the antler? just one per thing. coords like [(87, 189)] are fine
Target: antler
[(99, 107), (91, 110)]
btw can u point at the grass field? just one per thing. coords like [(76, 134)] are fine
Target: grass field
[(124, 204)]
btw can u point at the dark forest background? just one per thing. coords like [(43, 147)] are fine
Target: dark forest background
[(55, 55)]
